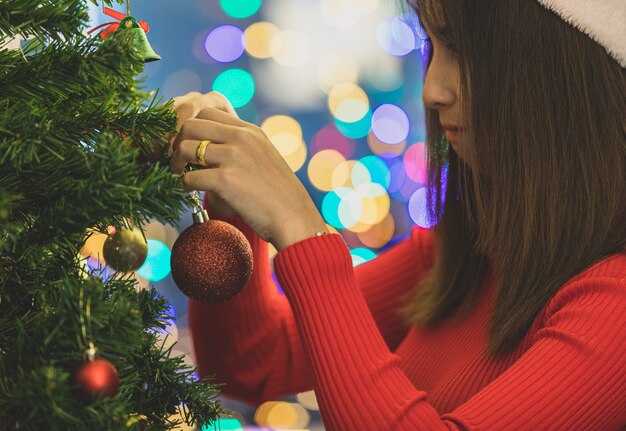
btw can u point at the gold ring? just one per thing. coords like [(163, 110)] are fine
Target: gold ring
[(200, 152)]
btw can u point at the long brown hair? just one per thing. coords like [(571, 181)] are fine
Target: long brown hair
[(544, 113)]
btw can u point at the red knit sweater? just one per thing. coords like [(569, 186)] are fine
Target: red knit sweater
[(336, 331)]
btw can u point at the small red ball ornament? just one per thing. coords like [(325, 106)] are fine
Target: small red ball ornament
[(211, 260), (96, 376)]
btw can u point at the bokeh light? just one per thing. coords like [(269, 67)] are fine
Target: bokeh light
[(286, 135), (350, 209), (390, 123), (291, 48), (94, 245), (321, 168), (330, 206), (383, 149), (418, 210), (259, 39), (155, 230), (240, 8), (357, 129), (283, 415), (416, 162), (225, 43), (329, 138), (379, 234), (386, 74), (157, 264), (344, 14), (395, 36), (348, 102), (224, 424), (237, 85), (377, 169), (361, 255), (375, 203), (308, 400), (336, 67), (167, 337)]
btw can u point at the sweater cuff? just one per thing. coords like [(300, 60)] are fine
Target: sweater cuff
[(315, 266)]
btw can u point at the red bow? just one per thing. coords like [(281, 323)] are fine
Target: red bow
[(114, 25)]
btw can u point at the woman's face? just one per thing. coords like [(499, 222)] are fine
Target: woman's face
[(441, 91)]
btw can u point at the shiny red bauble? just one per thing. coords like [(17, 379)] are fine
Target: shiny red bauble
[(97, 377), (211, 261)]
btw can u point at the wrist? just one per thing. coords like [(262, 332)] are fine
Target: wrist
[(297, 230)]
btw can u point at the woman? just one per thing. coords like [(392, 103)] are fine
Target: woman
[(511, 313)]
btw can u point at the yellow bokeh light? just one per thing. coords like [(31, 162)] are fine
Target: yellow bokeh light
[(167, 337), (350, 209), (260, 416), (286, 135), (259, 39), (93, 246), (342, 175), (296, 159), (286, 143), (346, 101), (379, 147), (360, 175), (308, 400), (336, 67), (155, 230), (351, 110), (280, 414), (376, 203), (321, 168), (171, 235), (379, 234), (281, 124)]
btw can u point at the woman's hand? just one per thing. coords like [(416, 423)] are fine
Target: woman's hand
[(188, 106), (249, 174)]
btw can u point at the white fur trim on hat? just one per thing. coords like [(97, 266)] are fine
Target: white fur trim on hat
[(602, 20)]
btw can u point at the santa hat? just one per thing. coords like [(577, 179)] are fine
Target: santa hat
[(602, 20)]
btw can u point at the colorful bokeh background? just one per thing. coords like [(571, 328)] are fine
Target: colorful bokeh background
[(337, 87)]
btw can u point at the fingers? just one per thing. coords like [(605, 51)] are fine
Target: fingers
[(221, 116), (218, 101), (214, 155), (205, 179), (198, 129)]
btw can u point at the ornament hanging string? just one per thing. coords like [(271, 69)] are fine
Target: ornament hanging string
[(114, 25)]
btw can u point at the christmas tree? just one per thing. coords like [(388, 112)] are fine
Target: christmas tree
[(81, 349)]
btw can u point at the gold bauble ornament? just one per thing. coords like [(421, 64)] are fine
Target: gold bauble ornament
[(125, 250)]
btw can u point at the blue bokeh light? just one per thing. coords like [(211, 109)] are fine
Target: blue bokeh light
[(157, 264)]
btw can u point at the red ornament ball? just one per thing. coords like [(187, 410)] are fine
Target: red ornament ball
[(211, 261), (96, 377)]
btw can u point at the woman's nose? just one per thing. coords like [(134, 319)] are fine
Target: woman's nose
[(438, 91)]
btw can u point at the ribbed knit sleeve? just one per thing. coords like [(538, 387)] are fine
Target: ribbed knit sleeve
[(251, 343), (571, 378)]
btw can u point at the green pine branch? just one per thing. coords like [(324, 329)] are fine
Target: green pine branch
[(56, 19), (73, 123)]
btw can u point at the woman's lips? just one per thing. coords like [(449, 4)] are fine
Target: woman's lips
[(453, 134)]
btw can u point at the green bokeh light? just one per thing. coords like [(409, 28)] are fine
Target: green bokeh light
[(224, 424), (240, 8), (157, 264), (237, 85), (357, 129)]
